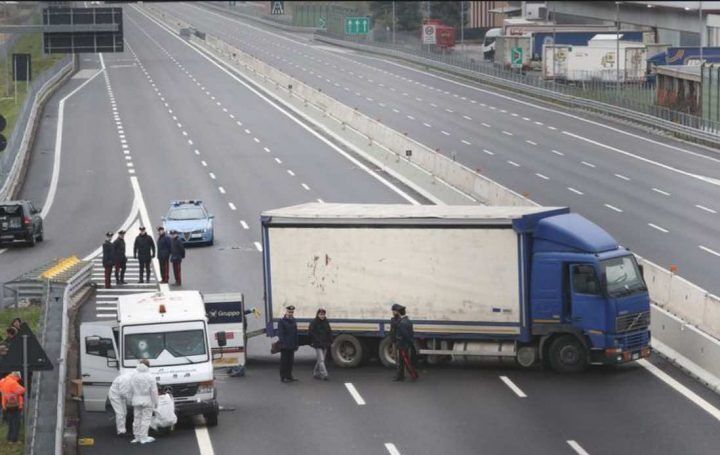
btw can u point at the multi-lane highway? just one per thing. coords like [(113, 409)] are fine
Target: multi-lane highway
[(656, 195), (162, 115)]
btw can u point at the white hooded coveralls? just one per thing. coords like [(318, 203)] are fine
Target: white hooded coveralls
[(120, 396), (144, 400)]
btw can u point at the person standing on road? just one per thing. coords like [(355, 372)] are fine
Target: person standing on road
[(144, 399), (120, 396), (406, 348), (108, 260), (12, 404), (120, 258), (163, 254), (144, 251), (393, 329), (288, 339), (320, 335), (177, 254)]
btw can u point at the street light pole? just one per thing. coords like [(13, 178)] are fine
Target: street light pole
[(617, 45), (393, 21), (462, 25), (700, 20)]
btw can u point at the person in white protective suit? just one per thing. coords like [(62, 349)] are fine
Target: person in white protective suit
[(144, 400), (120, 396)]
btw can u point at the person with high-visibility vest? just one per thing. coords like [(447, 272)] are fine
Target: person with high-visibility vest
[(12, 404)]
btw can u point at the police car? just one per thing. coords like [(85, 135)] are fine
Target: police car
[(191, 220)]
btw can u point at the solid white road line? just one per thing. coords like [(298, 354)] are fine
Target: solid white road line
[(392, 450), (203, 439), (708, 250), (612, 207), (687, 393), (702, 207), (353, 391), (661, 229), (513, 387), (258, 246), (577, 448), (575, 191)]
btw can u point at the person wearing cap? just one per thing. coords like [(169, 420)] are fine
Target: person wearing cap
[(144, 251), (108, 258), (120, 258), (404, 335), (177, 254), (12, 404), (320, 335), (163, 254), (288, 339)]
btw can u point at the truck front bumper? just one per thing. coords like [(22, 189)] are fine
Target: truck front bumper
[(617, 356), (190, 408)]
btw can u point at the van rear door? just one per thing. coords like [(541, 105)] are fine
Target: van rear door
[(226, 313), (98, 362)]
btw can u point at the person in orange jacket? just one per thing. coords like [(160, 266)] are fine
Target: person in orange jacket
[(12, 404)]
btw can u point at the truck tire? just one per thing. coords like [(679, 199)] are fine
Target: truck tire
[(346, 351), (385, 353), (568, 355), (211, 419)]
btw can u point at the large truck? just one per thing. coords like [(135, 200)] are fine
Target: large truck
[(183, 334), (529, 283)]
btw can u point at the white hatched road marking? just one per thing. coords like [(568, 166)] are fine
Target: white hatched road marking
[(391, 448), (513, 387), (355, 394), (577, 448)]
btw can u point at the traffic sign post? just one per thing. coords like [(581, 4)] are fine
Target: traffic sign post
[(516, 57), (357, 25)]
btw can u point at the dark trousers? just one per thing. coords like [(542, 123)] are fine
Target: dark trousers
[(177, 272), (164, 269), (287, 357), (145, 269), (405, 362), (13, 420), (108, 274), (120, 268)]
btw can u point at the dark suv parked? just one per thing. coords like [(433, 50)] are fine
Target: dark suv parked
[(20, 221)]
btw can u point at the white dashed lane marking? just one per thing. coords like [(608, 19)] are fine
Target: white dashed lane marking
[(702, 207), (612, 207), (659, 228)]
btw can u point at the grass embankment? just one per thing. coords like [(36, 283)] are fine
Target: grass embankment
[(29, 43), (31, 315)]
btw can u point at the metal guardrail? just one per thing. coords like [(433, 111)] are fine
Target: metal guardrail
[(15, 157), (33, 285), (598, 107)]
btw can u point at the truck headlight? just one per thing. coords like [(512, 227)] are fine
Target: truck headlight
[(206, 387)]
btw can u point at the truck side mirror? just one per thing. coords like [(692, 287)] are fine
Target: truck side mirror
[(221, 338)]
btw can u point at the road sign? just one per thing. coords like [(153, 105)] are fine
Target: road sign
[(95, 39), (277, 7), (322, 23), (357, 25), (516, 57), (429, 35)]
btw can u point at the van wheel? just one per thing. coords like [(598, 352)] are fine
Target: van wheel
[(31, 240), (567, 355), (346, 351), (211, 419), (386, 353), (40, 236)]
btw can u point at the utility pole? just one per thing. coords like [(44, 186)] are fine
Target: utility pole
[(554, 43), (617, 45), (462, 25), (700, 20), (393, 22)]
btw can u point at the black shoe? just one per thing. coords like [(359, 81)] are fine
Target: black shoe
[(326, 378), (293, 379), (397, 379), (141, 281)]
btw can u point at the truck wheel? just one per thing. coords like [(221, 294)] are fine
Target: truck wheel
[(385, 353), (346, 351), (567, 355), (211, 419), (527, 356)]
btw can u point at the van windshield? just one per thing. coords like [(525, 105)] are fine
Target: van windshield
[(167, 348), (623, 276)]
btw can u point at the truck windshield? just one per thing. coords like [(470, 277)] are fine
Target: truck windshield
[(165, 348), (623, 276)]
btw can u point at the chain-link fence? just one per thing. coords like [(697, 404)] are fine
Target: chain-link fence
[(7, 158)]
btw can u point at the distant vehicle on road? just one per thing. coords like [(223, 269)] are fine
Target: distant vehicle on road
[(192, 221), (525, 283), (20, 221)]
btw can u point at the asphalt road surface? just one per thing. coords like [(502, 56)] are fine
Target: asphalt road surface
[(159, 113)]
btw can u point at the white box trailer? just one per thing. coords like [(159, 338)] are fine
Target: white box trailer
[(595, 63)]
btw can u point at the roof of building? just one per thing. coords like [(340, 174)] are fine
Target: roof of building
[(687, 72)]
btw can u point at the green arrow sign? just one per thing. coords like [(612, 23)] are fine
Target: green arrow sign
[(516, 57), (357, 25)]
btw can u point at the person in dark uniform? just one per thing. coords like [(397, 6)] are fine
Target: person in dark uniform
[(144, 251), (288, 339), (177, 254), (393, 329), (120, 258), (406, 349), (108, 258), (163, 254)]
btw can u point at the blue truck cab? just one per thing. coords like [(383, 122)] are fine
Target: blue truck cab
[(589, 302)]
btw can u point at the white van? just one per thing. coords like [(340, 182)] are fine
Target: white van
[(171, 330)]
